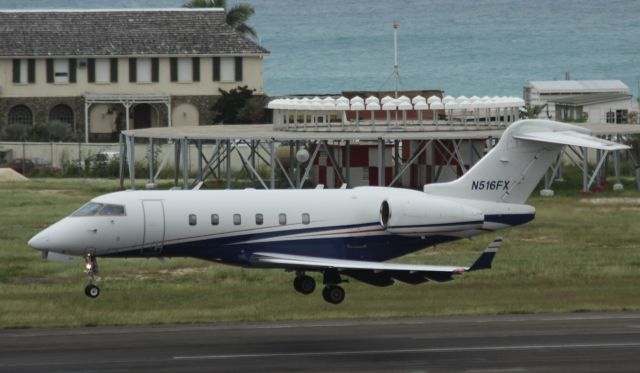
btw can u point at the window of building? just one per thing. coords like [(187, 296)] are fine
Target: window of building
[(61, 71), (193, 219), (365, 173), (621, 116), (62, 113), (282, 218), (237, 219), (215, 220), (143, 70), (103, 70), (20, 114), (185, 70), (24, 71), (259, 219), (306, 219), (227, 69)]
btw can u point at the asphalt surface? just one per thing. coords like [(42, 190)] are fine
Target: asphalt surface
[(600, 342)]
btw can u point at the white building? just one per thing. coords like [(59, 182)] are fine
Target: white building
[(574, 100), (103, 71)]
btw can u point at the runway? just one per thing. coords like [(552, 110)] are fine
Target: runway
[(509, 343)]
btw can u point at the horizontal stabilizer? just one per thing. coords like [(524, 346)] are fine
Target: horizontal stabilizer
[(571, 138)]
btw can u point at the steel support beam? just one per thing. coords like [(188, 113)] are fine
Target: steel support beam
[(381, 162), (186, 165), (228, 165), (131, 157)]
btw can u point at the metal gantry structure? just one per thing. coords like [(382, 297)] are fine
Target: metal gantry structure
[(215, 146)]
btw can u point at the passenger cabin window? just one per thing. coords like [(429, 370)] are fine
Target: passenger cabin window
[(282, 218), (259, 219), (215, 220), (237, 219), (305, 218), (193, 219)]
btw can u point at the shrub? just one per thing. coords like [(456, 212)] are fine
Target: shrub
[(227, 107), (252, 111), (59, 131), (17, 132)]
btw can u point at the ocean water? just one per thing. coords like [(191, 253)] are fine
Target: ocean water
[(470, 47)]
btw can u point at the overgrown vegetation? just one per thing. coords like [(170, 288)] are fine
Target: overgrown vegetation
[(239, 105), (55, 131), (579, 254)]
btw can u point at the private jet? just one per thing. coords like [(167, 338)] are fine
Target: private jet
[(336, 232)]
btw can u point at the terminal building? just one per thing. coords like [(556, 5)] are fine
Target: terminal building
[(593, 101), (104, 71)]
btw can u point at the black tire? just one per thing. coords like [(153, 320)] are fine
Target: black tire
[(92, 291), (333, 294), (296, 284), (306, 284)]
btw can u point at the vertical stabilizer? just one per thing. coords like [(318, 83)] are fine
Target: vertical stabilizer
[(513, 168)]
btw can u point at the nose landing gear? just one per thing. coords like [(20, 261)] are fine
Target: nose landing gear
[(91, 290)]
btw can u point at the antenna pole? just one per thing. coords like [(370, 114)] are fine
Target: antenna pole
[(396, 75)]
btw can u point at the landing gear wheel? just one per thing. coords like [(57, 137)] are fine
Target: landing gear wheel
[(92, 291), (304, 284), (333, 294)]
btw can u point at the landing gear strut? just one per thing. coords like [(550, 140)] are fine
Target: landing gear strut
[(91, 290), (304, 284)]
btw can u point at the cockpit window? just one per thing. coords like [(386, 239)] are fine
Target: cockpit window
[(89, 209), (112, 210), (93, 208)]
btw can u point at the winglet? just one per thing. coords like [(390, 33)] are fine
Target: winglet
[(485, 259)]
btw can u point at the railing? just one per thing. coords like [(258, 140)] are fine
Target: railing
[(401, 114)]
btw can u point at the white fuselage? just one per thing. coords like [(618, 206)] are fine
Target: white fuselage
[(229, 225)]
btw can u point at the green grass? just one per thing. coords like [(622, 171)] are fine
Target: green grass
[(576, 256)]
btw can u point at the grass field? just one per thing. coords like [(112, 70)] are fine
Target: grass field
[(579, 254)]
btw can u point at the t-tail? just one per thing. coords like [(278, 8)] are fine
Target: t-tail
[(513, 168)]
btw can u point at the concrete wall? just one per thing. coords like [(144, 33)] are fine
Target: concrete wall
[(60, 153)]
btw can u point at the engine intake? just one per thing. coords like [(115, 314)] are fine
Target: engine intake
[(427, 215)]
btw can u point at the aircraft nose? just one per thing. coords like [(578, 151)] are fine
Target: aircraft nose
[(39, 241)]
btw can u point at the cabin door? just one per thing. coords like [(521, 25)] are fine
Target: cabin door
[(153, 226)]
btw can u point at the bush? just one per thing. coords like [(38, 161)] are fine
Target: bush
[(229, 104), (252, 111), (17, 132), (59, 131)]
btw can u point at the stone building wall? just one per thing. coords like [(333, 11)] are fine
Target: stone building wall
[(41, 109)]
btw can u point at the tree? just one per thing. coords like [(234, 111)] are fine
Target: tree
[(532, 111), (236, 17), (230, 103)]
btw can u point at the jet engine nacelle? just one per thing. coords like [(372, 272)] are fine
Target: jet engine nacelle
[(422, 216)]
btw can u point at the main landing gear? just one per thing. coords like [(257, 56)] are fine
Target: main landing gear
[(331, 292), (91, 290)]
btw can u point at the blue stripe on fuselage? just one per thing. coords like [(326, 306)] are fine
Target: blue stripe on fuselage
[(509, 219), (380, 247)]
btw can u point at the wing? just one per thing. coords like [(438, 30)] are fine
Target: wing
[(376, 273)]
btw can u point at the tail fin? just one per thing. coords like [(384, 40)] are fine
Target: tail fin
[(513, 168)]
